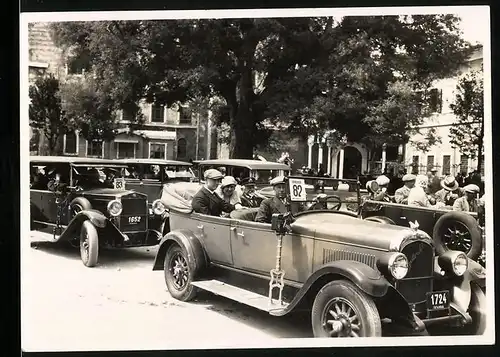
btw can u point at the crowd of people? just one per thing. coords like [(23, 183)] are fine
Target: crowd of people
[(429, 191)]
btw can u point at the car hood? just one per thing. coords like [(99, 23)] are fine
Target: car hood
[(344, 229), (111, 192)]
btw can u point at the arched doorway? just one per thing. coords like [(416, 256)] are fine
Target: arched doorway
[(352, 162)]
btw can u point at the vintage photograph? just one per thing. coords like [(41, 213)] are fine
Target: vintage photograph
[(263, 178)]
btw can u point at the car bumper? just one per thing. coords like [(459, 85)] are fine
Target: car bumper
[(140, 239)]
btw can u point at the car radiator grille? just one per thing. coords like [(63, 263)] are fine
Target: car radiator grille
[(418, 281), (133, 208), (330, 255)]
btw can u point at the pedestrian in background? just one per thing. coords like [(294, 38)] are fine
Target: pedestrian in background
[(468, 202), (434, 182)]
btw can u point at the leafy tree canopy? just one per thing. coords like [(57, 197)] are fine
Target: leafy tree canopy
[(310, 73), (468, 106)]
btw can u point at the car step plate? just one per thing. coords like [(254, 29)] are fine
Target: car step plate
[(243, 296), (37, 236)]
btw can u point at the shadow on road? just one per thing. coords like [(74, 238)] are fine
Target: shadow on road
[(108, 257), (297, 325)]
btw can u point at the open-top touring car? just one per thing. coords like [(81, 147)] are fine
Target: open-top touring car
[(83, 201), (353, 275)]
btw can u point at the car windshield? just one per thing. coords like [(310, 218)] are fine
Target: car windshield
[(179, 173), (265, 176)]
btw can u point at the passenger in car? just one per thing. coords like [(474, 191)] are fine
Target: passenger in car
[(401, 194), (206, 200), (449, 192), (468, 202), (418, 194), (381, 195), (276, 204), (227, 191)]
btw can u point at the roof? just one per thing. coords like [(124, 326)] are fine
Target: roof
[(249, 164), (73, 160), (154, 162)]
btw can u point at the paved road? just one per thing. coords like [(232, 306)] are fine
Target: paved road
[(123, 304)]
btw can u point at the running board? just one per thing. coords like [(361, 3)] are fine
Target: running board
[(38, 236), (242, 296)]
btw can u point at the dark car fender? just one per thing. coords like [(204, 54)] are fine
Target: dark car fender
[(186, 239), (95, 217)]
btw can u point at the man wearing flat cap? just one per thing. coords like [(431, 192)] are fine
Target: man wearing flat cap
[(206, 200), (381, 195), (468, 202), (276, 204), (449, 191), (401, 194)]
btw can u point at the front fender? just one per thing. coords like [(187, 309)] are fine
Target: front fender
[(363, 276), (95, 217), (189, 241)]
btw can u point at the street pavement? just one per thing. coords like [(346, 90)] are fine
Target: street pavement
[(123, 304)]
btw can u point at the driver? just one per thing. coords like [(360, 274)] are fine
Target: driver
[(276, 204)]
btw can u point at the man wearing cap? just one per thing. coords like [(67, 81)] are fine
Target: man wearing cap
[(449, 192), (434, 182), (401, 194), (276, 204), (206, 200), (468, 202)]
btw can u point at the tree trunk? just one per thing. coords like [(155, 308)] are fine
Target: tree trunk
[(242, 120)]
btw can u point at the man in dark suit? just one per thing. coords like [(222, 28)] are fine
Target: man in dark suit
[(206, 201), (276, 204)]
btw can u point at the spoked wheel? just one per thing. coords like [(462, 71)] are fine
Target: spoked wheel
[(341, 309), (458, 231), (89, 244), (178, 274)]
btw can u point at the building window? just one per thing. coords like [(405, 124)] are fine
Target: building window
[(127, 116), (464, 164), (414, 165), (181, 148), (70, 143), (157, 150), (157, 113), (446, 164), (125, 150), (95, 148), (185, 115), (435, 100), (430, 162)]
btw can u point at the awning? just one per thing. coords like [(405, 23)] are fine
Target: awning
[(157, 134), (128, 141)]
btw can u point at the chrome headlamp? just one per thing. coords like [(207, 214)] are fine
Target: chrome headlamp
[(395, 264), (115, 208), (158, 207), (454, 262)]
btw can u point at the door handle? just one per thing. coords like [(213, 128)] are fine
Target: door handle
[(402, 217), (200, 227), (241, 234), (233, 229)]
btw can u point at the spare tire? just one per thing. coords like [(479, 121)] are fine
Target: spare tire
[(458, 231), (380, 219)]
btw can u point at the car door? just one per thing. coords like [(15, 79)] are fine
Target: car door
[(254, 247), (43, 206), (214, 234)]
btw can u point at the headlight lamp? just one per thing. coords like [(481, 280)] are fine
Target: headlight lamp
[(115, 208)]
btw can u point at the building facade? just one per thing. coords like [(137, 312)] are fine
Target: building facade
[(175, 133), (444, 157)]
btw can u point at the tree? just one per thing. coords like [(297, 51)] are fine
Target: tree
[(468, 132), (46, 113), (310, 73), (91, 110)]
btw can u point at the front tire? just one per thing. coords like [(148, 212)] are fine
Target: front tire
[(341, 309), (89, 244), (179, 274)]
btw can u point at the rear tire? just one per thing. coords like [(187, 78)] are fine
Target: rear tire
[(89, 244)]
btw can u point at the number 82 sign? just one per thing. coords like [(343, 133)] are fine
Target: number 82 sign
[(297, 190)]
